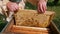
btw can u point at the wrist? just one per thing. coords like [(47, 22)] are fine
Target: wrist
[(43, 1)]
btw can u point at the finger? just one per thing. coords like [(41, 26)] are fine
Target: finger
[(40, 8), (44, 8), (16, 7), (12, 8), (9, 8)]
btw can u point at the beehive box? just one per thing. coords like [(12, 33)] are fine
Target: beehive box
[(10, 28), (29, 30), (33, 19), (13, 29)]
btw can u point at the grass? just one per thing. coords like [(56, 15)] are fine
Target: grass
[(56, 9), (2, 22)]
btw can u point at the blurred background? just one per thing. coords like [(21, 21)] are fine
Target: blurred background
[(52, 5)]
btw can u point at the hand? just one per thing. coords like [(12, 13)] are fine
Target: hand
[(42, 6), (12, 6)]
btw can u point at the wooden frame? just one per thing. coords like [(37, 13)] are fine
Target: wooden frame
[(32, 18), (10, 28)]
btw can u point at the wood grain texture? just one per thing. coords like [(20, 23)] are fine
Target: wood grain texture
[(29, 30)]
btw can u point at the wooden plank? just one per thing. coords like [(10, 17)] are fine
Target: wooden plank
[(54, 28), (34, 30), (29, 30), (8, 27)]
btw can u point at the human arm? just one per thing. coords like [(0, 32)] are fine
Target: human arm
[(12, 6), (42, 6)]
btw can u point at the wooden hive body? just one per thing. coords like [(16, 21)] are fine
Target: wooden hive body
[(14, 29)]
